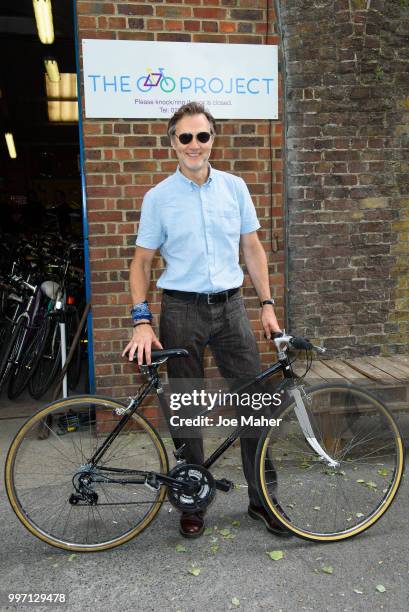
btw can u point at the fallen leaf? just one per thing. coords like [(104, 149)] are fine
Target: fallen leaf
[(327, 569), (214, 548), (225, 531), (71, 557), (208, 531), (359, 515), (195, 571), (383, 472), (317, 507), (235, 601), (380, 588), (235, 523), (275, 555), (180, 548)]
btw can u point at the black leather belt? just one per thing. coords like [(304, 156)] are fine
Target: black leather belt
[(202, 298)]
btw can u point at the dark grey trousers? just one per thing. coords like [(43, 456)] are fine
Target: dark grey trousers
[(225, 328)]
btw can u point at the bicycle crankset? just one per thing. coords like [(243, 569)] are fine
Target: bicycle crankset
[(201, 488)]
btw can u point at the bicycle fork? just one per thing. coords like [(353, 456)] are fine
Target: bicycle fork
[(307, 429)]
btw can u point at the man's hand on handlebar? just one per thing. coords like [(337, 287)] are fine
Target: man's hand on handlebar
[(269, 322), (143, 339)]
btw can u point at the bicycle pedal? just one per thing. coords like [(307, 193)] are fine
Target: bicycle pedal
[(224, 485)]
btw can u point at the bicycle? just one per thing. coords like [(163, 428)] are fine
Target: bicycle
[(98, 473), (38, 364)]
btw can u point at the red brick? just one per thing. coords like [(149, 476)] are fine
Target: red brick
[(116, 23), (210, 38), (103, 192), (173, 11), (101, 141), (85, 21), (191, 26), (139, 166), (103, 167), (135, 35), (174, 37), (136, 24), (95, 8), (210, 13), (154, 24), (228, 26), (134, 9), (174, 24), (210, 26), (92, 128)]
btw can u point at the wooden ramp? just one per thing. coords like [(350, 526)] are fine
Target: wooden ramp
[(388, 376), (363, 370)]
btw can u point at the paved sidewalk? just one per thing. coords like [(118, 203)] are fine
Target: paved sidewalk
[(148, 574)]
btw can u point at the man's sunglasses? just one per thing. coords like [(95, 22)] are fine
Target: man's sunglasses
[(186, 137)]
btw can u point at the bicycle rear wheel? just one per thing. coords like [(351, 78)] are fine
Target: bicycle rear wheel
[(50, 456), (298, 484), (48, 360)]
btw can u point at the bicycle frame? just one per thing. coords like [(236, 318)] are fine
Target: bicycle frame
[(154, 382)]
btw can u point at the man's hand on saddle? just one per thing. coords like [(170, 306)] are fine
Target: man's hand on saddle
[(143, 340)]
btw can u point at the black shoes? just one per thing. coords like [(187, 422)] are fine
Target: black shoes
[(258, 513), (191, 525)]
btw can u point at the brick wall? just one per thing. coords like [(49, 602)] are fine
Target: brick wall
[(348, 172), (124, 158)]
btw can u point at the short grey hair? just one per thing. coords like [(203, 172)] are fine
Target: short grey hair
[(192, 108)]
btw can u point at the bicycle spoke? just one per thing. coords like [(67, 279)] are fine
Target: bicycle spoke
[(322, 500), (58, 493)]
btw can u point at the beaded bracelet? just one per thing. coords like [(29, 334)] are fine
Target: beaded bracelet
[(141, 311)]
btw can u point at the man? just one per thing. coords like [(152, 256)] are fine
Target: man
[(199, 217)]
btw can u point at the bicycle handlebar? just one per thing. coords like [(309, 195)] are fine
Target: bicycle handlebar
[(18, 280), (282, 340)]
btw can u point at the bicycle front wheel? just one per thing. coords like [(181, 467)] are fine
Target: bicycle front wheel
[(48, 463), (333, 465)]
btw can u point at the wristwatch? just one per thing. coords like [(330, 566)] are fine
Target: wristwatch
[(264, 302)]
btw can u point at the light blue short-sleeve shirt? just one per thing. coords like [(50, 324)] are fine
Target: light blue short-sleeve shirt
[(197, 229)]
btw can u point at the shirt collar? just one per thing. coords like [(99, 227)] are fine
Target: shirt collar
[(184, 178)]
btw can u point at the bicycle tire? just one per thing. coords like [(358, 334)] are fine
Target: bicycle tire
[(21, 372), (40, 471), (12, 348), (48, 360), (309, 497)]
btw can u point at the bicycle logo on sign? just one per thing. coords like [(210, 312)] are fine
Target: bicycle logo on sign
[(156, 79)]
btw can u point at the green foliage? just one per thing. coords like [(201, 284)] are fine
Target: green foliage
[(378, 73)]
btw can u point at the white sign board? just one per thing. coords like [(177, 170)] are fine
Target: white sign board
[(149, 79)]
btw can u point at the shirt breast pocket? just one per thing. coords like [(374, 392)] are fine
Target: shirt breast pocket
[(230, 210)]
